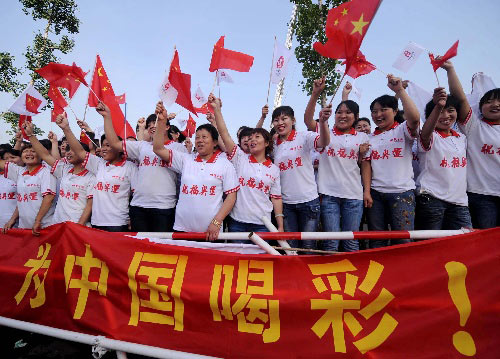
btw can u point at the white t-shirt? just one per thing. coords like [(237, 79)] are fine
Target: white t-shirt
[(154, 187), (258, 182), (483, 156), (31, 188), (339, 174), (74, 190), (8, 199), (111, 190), (443, 168), (391, 159), (293, 158), (202, 186)]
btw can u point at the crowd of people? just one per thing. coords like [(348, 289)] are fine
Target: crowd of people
[(405, 175)]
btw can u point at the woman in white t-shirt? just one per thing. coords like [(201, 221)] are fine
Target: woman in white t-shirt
[(113, 176), (74, 203), (259, 178), (36, 190), (392, 186), (205, 178), (292, 155)]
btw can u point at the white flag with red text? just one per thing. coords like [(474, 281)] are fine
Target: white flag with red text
[(199, 98), (30, 94), (223, 76), (168, 93), (281, 57), (408, 57)]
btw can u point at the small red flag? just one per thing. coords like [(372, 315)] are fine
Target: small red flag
[(227, 59), (358, 66), (437, 63), (182, 83), (190, 127), (121, 99), (205, 108), (84, 138), (22, 120), (57, 110), (60, 75), (32, 104), (57, 97)]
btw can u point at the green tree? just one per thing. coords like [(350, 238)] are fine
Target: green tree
[(60, 17), (309, 27)]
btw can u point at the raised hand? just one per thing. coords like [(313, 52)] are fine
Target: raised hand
[(62, 121), (214, 102), (447, 65), (394, 83), (265, 111), (141, 123), (211, 118), (161, 111), (325, 113), (103, 110), (439, 96), (52, 137), (319, 85), (28, 128)]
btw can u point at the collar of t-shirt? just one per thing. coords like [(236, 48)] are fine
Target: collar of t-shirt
[(34, 172), (117, 164), (491, 123), (378, 131), (336, 132), (212, 159), (444, 134), (291, 137), (266, 163), (82, 173)]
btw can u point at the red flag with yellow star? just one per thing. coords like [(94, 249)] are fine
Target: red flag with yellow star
[(121, 99), (32, 104), (359, 66), (227, 59), (182, 83), (60, 75), (190, 127), (346, 26), (57, 97), (101, 85)]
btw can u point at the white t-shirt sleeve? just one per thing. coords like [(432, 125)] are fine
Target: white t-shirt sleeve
[(57, 169), (275, 191), (230, 183), (311, 141), (177, 160), (407, 132), (132, 149), (235, 155), (469, 124), (11, 171), (92, 163), (48, 184)]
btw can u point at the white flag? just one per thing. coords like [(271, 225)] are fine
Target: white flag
[(223, 76), (167, 93), (281, 57), (198, 98), (182, 123), (420, 97), (408, 57), (356, 91), (19, 106), (481, 84)]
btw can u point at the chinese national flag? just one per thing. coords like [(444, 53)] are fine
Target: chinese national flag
[(60, 75), (102, 87), (56, 111), (227, 59), (204, 109), (84, 138), (190, 127), (57, 98), (346, 26), (32, 104), (121, 99), (437, 63), (182, 83), (22, 120), (359, 66)]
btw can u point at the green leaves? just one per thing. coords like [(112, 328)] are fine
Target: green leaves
[(60, 13), (8, 74)]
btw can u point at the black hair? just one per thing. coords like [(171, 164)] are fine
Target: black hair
[(362, 119), (272, 132), (12, 151), (47, 144), (247, 131), (241, 129), (84, 145), (211, 129), (283, 110), (28, 145), (151, 118), (267, 137), (175, 129), (352, 106), (493, 94), (451, 101), (103, 137)]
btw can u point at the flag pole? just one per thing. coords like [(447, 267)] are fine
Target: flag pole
[(215, 82), (340, 83), (437, 78), (270, 73)]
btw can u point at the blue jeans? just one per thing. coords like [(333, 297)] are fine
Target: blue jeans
[(302, 217), (151, 219), (396, 209), (484, 210), (433, 213), (236, 226), (340, 214)]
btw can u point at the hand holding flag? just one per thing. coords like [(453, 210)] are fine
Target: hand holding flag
[(440, 60)]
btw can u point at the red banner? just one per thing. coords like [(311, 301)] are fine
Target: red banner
[(433, 299)]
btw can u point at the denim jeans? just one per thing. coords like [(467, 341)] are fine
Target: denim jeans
[(396, 209), (484, 210), (433, 213), (236, 226), (302, 217), (151, 219), (340, 214)]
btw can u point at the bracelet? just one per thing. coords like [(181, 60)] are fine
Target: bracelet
[(216, 223), (279, 215)]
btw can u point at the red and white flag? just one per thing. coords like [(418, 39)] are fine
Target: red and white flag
[(223, 76), (30, 99), (199, 97), (281, 57), (408, 57), (167, 92)]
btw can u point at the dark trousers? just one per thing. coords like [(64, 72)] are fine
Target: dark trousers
[(123, 228), (151, 219)]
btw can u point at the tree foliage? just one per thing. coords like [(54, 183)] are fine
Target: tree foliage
[(59, 16), (309, 27)]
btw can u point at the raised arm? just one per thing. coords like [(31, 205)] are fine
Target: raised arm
[(37, 146), (74, 144), (221, 124), (19, 141), (346, 91), (265, 111), (324, 131), (439, 98), (141, 124), (318, 87), (412, 115), (54, 152), (109, 130), (457, 91), (159, 136)]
